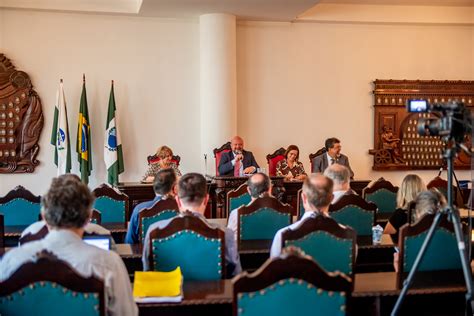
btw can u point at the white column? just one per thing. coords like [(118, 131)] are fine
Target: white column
[(218, 83)]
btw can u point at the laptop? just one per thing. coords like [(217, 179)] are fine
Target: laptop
[(101, 241)]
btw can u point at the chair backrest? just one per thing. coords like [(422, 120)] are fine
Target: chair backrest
[(237, 197), (218, 154), (32, 237), (154, 159), (442, 186), (383, 194), (262, 219), (289, 285), (354, 211), (190, 243), (441, 255), (161, 210), (112, 204), (96, 217), (50, 286), (273, 159), (317, 153), (2, 232), (329, 244), (299, 203), (20, 207)]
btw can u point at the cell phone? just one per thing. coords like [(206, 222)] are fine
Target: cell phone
[(417, 106)]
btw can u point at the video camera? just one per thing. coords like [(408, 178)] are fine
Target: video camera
[(453, 123)]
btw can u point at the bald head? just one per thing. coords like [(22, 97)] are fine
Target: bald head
[(237, 144), (317, 192), (340, 175), (258, 185)]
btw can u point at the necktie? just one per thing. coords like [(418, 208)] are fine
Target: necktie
[(332, 161), (237, 169)]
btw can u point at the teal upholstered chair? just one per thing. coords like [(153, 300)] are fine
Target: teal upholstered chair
[(163, 209), (442, 256), (96, 217), (190, 243), (20, 207), (2, 232), (50, 287), (262, 219), (112, 204), (383, 194), (354, 211), (442, 186), (289, 285), (237, 198), (329, 244)]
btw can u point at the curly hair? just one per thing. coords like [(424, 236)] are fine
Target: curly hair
[(68, 202)]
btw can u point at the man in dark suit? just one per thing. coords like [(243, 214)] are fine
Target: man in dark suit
[(238, 161), (331, 156)]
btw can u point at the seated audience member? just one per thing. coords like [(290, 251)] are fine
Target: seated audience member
[(258, 185), (426, 202), (290, 167), (165, 154), (411, 186), (340, 175), (316, 196), (331, 156), (66, 208), (163, 185), (192, 196), (238, 161)]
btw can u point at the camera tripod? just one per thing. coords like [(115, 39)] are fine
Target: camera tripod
[(453, 213)]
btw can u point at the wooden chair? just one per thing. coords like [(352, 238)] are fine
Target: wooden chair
[(299, 204), (2, 232), (190, 243), (288, 285), (96, 217), (112, 204), (273, 159), (317, 153), (442, 186), (262, 219), (163, 209), (20, 207), (332, 246), (49, 286), (218, 153), (154, 159), (237, 197), (32, 237), (383, 194), (354, 211), (440, 263)]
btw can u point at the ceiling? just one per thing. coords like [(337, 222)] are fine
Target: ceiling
[(268, 10)]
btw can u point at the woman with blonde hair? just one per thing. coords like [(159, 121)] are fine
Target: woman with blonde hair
[(165, 156), (411, 186)]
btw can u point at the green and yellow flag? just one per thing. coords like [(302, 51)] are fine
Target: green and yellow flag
[(83, 144)]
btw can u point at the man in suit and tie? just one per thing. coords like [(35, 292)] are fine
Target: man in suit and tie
[(331, 156), (238, 161)]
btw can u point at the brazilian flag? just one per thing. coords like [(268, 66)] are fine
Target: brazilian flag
[(83, 144)]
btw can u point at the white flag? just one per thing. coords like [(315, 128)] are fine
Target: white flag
[(63, 146)]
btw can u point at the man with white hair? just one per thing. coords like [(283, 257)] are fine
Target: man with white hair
[(340, 175)]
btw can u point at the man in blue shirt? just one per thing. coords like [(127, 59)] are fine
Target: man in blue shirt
[(163, 185)]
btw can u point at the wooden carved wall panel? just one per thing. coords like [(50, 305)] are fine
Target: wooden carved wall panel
[(397, 144), (21, 120)]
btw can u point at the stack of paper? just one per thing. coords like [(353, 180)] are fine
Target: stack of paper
[(158, 287)]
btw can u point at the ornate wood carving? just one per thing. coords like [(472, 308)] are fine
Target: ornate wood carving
[(21, 120), (397, 145)]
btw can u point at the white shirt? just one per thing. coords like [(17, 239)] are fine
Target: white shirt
[(329, 159), (232, 222), (87, 260)]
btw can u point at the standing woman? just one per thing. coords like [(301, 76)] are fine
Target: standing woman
[(165, 155), (290, 167), (411, 186)]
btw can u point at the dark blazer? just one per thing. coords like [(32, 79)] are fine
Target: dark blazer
[(225, 165), (320, 163)]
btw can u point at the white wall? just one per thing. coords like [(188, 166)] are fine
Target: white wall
[(155, 65), (303, 82)]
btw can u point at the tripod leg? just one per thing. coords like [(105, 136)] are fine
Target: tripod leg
[(466, 267), (419, 257)]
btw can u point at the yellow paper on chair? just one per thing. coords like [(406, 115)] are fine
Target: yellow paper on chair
[(158, 286)]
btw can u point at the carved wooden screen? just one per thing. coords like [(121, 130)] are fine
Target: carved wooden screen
[(397, 144), (21, 120)]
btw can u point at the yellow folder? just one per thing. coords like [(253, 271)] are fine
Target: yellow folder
[(158, 284)]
